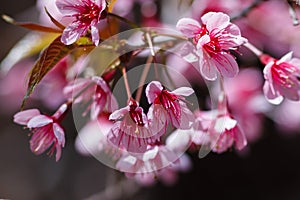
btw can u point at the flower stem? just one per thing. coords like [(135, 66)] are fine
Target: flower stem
[(143, 78), (126, 83), (252, 48)]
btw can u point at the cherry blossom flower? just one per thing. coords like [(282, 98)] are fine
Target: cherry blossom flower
[(131, 130), (87, 15), (95, 88), (92, 138), (213, 40), (247, 102), (282, 78), (46, 130), (168, 106), (157, 162)]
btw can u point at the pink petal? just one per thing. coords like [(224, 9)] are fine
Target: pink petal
[(189, 27), (187, 118), (272, 96), (207, 68), (226, 64), (126, 164), (118, 114), (240, 139), (152, 90), (68, 7), (73, 32), (39, 121), (58, 153), (59, 134), (214, 20), (286, 58), (95, 35), (24, 116), (183, 91), (41, 140)]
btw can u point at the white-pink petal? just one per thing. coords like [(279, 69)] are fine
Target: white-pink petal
[(226, 64), (271, 95), (189, 27), (23, 117), (59, 134), (215, 20), (183, 91), (153, 89), (39, 121)]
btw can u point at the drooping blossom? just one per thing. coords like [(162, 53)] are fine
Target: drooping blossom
[(282, 78), (92, 138), (46, 130), (87, 14), (95, 88), (158, 162), (217, 130), (168, 106), (131, 130), (213, 39), (246, 101)]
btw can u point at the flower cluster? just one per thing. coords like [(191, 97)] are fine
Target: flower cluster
[(148, 133)]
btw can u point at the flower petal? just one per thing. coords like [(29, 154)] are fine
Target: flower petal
[(24, 116), (39, 121), (183, 91), (214, 20), (189, 27), (152, 90), (73, 32), (226, 64), (271, 95), (59, 134)]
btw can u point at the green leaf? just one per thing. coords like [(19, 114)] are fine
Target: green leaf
[(48, 59)]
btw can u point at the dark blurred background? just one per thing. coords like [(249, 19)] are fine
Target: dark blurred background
[(269, 169)]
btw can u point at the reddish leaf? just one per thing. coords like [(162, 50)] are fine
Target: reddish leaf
[(48, 59), (31, 26)]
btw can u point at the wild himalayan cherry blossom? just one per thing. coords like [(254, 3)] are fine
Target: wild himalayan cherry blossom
[(218, 129), (46, 130), (246, 101), (131, 130), (213, 40), (95, 88), (92, 138), (157, 162), (282, 78), (168, 106), (87, 14)]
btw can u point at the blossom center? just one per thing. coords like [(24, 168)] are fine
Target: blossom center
[(213, 46), (136, 115), (169, 101), (203, 31), (281, 73), (89, 12)]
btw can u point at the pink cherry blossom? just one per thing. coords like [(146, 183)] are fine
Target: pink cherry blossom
[(92, 138), (247, 102), (131, 130), (46, 130), (282, 78), (213, 40), (95, 88), (168, 106), (87, 14)]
